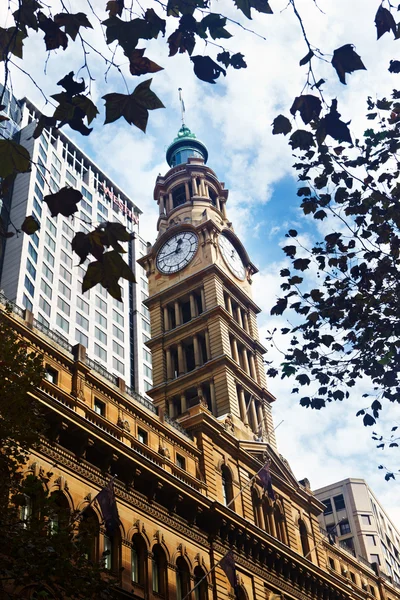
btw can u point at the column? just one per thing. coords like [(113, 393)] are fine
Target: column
[(271, 520), (181, 361), (213, 399), (177, 313), (187, 192), (170, 202), (194, 187), (253, 416), (162, 205), (170, 374), (167, 324), (218, 204), (246, 322), (200, 393), (183, 403), (260, 416), (245, 361), (207, 191), (223, 208), (235, 354), (203, 300), (197, 354), (260, 514), (253, 371), (171, 411), (229, 305), (208, 348), (202, 188), (242, 406), (193, 306), (239, 316)]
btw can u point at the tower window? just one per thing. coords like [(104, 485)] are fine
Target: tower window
[(179, 196)]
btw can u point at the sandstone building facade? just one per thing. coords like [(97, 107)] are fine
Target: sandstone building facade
[(185, 464)]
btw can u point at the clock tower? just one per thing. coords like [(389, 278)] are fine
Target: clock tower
[(207, 357)]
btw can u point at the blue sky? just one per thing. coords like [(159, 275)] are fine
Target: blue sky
[(233, 118)]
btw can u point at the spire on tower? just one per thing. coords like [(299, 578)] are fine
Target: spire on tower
[(182, 106)]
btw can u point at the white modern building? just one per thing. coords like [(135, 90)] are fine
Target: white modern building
[(41, 273), (356, 516)]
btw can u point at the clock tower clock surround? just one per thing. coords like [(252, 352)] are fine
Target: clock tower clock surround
[(206, 352)]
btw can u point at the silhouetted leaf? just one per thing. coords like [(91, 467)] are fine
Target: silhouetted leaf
[(237, 61), (333, 126), (44, 122), (30, 225), (384, 22), (107, 272), (71, 86), (306, 58), (389, 476), (260, 5), (133, 107), (63, 202), (303, 379), (182, 41), (301, 139), (140, 65), (216, 25), (11, 42), (281, 124), (25, 14), (72, 23), (320, 215), (279, 307), (115, 7), (368, 420), (14, 158), (301, 264), (54, 38), (206, 69), (394, 66), (309, 107), (346, 60)]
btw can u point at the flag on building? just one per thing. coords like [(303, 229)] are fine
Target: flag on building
[(106, 500), (332, 535), (266, 480), (227, 564)]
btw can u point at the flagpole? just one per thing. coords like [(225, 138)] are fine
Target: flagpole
[(246, 486), (205, 576), (319, 543)]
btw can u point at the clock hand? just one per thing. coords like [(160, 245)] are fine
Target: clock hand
[(178, 249)]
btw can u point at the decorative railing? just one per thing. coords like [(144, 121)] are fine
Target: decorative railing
[(102, 370), (53, 335), (141, 399), (9, 303), (344, 546), (177, 426)]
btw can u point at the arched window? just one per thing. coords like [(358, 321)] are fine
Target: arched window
[(59, 512), (256, 508), (227, 487), (179, 195), (201, 592), (305, 546), (241, 593), (182, 578), (138, 559), (112, 551), (89, 531), (159, 570)]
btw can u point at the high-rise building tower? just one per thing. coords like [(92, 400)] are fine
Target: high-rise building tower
[(205, 342), (41, 273)]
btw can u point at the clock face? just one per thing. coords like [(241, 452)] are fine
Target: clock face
[(177, 252), (231, 257)]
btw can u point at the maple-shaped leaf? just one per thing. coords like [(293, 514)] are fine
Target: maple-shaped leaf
[(332, 125), (384, 22), (14, 158), (216, 25), (281, 124), (261, 6), (30, 225), (206, 69), (86, 105), (128, 33), (81, 245), (25, 15), (63, 202), (346, 60), (394, 66), (140, 65), (237, 61), (11, 41), (156, 24), (107, 272), (115, 7), (54, 37), (133, 107), (309, 107), (182, 41), (71, 86), (44, 122), (301, 139), (224, 58), (72, 23)]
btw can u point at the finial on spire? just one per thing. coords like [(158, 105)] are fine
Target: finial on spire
[(182, 106)]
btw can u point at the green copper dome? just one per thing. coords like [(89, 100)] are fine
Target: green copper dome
[(184, 146)]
